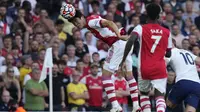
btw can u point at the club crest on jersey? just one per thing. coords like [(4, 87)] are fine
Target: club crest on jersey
[(159, 31)]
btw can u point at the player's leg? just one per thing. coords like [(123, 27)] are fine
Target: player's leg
[(108, 69), (132, 84), (144, 88), (145, 103), (160, 89)]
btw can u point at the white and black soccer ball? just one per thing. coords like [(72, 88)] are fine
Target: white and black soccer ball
[(67, 11)]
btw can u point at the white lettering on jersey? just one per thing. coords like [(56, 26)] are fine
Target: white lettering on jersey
[(159, 31), (183, 64)]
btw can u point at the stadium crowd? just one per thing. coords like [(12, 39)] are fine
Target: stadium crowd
[(29, 27)]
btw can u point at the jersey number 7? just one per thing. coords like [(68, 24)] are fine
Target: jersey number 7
[(157, 38)]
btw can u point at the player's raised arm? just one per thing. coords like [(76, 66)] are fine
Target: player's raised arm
[(113, 26)]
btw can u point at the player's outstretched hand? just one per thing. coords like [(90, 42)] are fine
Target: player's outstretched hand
[(124, 37)]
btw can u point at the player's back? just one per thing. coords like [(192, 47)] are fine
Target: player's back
[(153, 45), (154, 42), (103, 33), (183, 63)]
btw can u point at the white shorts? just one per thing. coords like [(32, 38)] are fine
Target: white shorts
[(147, 85), (115, 55)]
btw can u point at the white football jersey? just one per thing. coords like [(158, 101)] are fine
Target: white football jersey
[(183, 63)]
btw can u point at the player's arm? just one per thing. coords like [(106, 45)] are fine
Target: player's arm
[(129, 45), (170, 44), (113, 26)]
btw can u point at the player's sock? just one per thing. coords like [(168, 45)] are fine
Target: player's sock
[(145, 103), (133, 90), (110, 90), (160, 104)]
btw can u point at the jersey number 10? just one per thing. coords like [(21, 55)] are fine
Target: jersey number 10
[(188, 58)]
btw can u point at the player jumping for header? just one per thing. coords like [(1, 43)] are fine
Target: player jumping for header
[(155, 43), (108, 32)]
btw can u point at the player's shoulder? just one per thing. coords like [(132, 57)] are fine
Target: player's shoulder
[(91, 17)]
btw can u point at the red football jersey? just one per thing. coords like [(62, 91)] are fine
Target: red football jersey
[(155, 40), (121, 84), (95, 89), (103, 33)]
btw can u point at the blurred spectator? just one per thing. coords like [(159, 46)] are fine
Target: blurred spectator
[(189, 11), (41, 58), (2, 59), (77, 93), (178, 18), (5, 98), (118, 15), (89, 42), (7, 41), (122, 91), (9, 62), (12, 84), (175, 4), (80, 68), (26, 5), (185, 44), (138, 8), (35, 92), (192, 40), (28, 77), (58, 89), (5, 21), (26, 68), (19, 23), (81, 48), (95, 89), (12, 10), (86, 62), (186, 28), (176, 34), (95, 58), (71, 56)]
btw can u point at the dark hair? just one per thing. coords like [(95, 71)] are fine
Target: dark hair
[(61, 62), (3, 4), (9, 36), (195, 46), (95, 2), (95, 53), (59, 22), (77, 15), (153, 11)]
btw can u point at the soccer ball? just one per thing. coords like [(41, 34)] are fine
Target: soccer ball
[(67, 11)]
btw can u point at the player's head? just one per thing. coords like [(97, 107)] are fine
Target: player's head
[(78, 20), (153, 11)]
